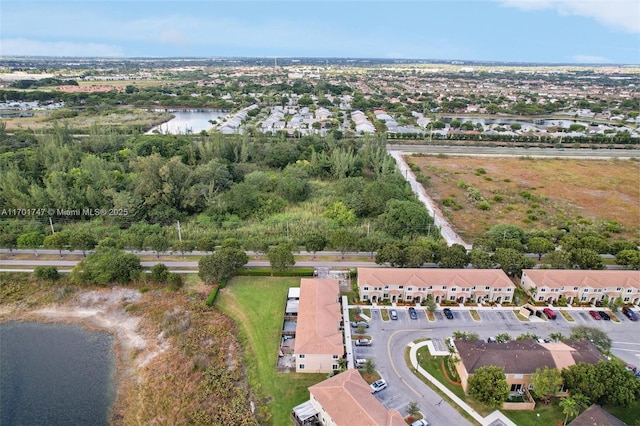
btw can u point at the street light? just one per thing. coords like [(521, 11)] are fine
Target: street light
[(537, 417)]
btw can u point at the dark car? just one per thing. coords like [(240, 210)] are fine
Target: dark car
[(630, 314), (413, 314), (604, 315), (448, 313), (595, 315)]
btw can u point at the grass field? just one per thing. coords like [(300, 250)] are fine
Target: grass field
[(257, 306), (478, 192)]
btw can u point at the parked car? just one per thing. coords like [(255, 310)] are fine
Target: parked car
[(604, 315), (356, 324), (360, 363), (378, 385), (594, 315), (631, 368), (363, 342), (393, 314), (491, 340), (413, 314), (549, 313), (448, 313), (421, 422), (630, 314)]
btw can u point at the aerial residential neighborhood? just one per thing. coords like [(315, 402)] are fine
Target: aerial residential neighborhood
[(320, 213)]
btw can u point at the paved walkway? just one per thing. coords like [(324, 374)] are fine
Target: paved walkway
[(347, 332), (485, 421), (439, 219)]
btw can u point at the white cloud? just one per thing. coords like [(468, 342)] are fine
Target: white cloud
[(623, 15), (590, 59), (26, 47)]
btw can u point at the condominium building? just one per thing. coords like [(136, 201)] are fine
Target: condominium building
[(582, 286), (415, 284)]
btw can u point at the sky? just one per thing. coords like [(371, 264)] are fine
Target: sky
[(541, 31)]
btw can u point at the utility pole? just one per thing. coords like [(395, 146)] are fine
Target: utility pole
[(287, 230), (51, 225), (179, 232)]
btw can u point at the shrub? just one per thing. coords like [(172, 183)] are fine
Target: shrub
[(174, 281), (484, 205), (261, 272), (462, 184), (481, 171), (212, 296), (49, 273)]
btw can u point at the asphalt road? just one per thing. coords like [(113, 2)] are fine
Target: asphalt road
[(390, 339)]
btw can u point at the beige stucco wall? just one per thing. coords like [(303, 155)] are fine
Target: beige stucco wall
[(315, 363)]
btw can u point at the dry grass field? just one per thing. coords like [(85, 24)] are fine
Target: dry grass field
[(478, 192)]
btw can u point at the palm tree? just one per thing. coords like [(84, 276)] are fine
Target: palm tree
[(571, 405), (342, 364), (557, 336)]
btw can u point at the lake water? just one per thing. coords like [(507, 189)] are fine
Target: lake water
[(188, 122), (55, 374)]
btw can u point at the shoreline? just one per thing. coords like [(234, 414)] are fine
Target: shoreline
[(103, 310)]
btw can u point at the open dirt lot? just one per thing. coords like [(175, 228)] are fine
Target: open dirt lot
[(478, 192)]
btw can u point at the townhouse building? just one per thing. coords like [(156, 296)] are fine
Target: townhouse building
[(581, 286), (415, 284), (344, 400), (319, 342)]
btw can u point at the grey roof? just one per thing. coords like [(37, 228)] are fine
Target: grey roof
[(596, 416), (524, 356), (515, 357)]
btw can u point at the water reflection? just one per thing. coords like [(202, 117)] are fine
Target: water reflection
[(188, 122)]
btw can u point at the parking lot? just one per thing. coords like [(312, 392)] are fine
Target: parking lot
[(390, 338)]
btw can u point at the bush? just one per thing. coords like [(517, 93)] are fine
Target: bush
[(260, 272), (212, 297), (159, 273), (174, 281), (49, 273)]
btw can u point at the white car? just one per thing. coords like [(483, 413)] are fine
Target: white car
[(421, 422), (378, 385)]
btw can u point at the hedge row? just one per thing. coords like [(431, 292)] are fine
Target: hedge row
[(266, 272), (212, 296)]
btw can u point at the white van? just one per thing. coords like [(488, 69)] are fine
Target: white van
[(360, 363)]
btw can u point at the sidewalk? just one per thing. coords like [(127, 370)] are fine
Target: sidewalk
[(485, 421)]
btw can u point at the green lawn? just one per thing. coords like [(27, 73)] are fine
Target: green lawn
[(550, 414), (257, 306), (630, 415), (567, 315)]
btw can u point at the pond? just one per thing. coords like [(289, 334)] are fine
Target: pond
[(189, 122), (55, 374)]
